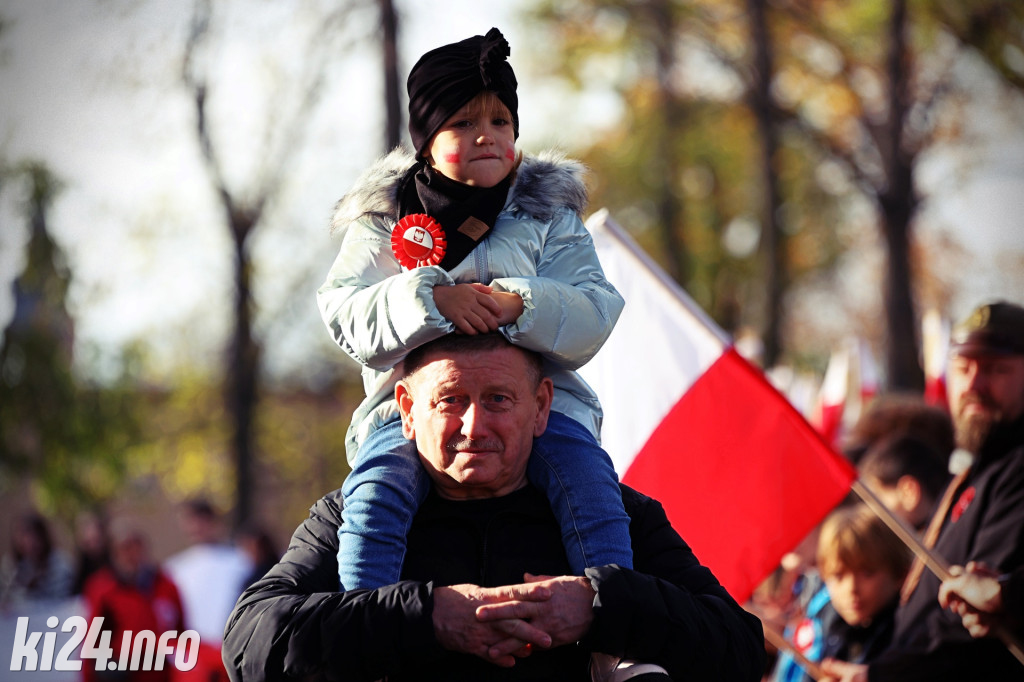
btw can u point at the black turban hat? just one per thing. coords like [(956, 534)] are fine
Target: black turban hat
[(446, 78)]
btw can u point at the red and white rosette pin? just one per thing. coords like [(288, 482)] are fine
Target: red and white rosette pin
[(418, 240)]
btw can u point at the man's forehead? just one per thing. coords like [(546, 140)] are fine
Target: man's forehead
[(470, 360), (499, 366)]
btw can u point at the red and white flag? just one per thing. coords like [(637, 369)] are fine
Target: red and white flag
[(935, 341), (867, 376), (835, 389), (742, 476)]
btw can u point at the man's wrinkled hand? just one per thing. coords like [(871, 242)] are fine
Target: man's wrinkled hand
[(458, 629), (975, 594), (566, 616)]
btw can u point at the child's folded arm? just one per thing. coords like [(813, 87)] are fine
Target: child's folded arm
[(569, 307), (374, 310)]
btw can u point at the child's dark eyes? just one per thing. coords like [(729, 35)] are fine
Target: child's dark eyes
[(468, 123)]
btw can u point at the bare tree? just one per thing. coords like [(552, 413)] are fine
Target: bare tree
[(881, 158), (393, 109), (898, 201), (759, 97), (244, 209), (666, 159)]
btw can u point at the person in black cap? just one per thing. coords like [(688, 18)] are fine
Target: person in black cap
[(981, 516)]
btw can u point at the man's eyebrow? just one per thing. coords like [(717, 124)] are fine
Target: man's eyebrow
[(500, 388)]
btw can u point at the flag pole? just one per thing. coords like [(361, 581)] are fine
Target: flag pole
[(934, 562), (776, 639)]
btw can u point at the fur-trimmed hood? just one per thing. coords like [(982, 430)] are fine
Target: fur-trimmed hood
[(543, 184)]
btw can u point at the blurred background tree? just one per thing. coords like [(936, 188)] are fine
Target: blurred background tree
[(65, 434), (770, 154), (772, 119), (292, 101)]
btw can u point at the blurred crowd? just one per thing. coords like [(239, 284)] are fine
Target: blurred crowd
[(836, 595), (930, 476), (111, 574)]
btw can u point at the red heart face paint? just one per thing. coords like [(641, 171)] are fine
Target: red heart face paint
[(452, 158), (510, 154)]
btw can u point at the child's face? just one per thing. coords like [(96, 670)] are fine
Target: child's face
[(475, 146), (858, 595)]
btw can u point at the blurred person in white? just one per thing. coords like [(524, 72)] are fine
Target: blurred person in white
[(210, 573)]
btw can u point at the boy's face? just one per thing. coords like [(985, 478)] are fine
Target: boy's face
[(858, 595), (476, 146)]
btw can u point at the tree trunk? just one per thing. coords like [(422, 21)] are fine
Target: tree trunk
[(243, 368), (902, 361), (389, 26), (772, 237), (897, 203), (665, 158)]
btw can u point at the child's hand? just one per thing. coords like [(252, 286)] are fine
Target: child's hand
[(470, 307), (511, 306), (841, 671)]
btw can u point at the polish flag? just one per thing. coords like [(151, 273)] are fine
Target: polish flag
[(835, 388), (867, 375), (742, 476), (935, 342)]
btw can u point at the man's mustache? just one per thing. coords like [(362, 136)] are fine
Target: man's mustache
[(458, 444), (976, 399)]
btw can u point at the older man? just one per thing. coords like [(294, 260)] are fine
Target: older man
[(485, 592), (984, 518)]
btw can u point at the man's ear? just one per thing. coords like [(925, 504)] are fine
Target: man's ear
[(910, 492), (403, 396), (545, 394)]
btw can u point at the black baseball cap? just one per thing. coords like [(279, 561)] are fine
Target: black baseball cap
[(991, 329)]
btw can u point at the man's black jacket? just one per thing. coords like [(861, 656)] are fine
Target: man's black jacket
[(669, 610), (986, 524)]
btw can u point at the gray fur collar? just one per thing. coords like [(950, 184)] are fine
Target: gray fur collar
[(543, 184)]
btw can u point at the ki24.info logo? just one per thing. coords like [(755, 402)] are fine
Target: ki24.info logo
[(89, 644)]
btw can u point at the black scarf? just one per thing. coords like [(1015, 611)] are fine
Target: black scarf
[(466, 213)]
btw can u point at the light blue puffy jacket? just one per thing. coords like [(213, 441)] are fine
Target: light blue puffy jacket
[(539, 248)]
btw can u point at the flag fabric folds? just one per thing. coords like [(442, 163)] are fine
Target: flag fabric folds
[(742, 476), (935, 342), (835, 387), (849, 386)]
